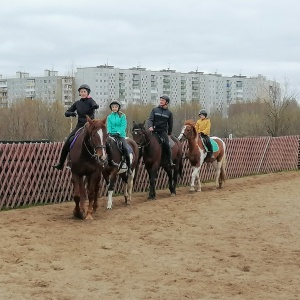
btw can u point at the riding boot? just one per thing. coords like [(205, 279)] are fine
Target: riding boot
[(109, 158), (209, 155), (129, 171), (169, 157), (63, 155)]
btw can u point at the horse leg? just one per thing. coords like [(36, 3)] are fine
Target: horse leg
[(152, 178), (195, 175), (128, 188), (110, 191), (96, 192), (77, 212), (92, 195), (217, 166), (170, 172)]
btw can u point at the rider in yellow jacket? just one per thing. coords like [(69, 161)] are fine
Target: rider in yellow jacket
[(203, 128)]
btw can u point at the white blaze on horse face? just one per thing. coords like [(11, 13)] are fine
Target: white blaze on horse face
[(100, 132), (181, 133)]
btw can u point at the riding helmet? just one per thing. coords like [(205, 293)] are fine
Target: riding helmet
[(165, 97), (115, 102), (203, 112), (86, 87)]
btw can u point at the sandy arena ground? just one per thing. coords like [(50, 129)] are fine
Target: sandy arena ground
[(241, 242)]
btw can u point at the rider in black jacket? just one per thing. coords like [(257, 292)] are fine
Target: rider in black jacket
[(84, 107), (161, 122)]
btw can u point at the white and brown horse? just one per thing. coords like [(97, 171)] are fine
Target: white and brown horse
[(197, 154)]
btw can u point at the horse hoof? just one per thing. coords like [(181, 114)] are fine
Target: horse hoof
[(192, 190), (109, 208), (89, 217), (151, 198), (78, 215), (173, 195)]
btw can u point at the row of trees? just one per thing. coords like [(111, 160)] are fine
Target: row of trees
[(271, 116)]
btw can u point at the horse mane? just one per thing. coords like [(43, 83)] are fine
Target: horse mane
[(192, 123)]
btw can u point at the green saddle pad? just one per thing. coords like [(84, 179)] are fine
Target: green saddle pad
[(214, 144)]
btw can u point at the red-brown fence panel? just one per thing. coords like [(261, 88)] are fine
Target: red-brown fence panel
[(27, 178)]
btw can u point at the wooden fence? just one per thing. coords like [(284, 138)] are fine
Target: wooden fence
[(27, 178)]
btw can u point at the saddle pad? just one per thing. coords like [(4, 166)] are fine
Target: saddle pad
[(171, 142), (214, 144), (74, 137)]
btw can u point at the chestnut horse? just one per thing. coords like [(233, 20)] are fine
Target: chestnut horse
[(197, 154), (87, 158), (110, 172), (154, 157)]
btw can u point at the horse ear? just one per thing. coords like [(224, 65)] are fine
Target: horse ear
[(88, 119), (144, 123), (133, 123)]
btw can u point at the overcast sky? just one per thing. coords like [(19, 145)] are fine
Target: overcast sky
[(230, 37)]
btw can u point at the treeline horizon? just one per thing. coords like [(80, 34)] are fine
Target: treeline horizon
[(33, 119)]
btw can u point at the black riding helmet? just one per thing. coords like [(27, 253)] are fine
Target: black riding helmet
[(86, 87), (203, 112), (165, 97), (115, 102)]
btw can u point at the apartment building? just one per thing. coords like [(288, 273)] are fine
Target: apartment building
[(140, 86), (49, 87), (137, 86)]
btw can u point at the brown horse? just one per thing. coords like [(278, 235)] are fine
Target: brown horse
[(197, 154), (87, 157), (154, 157), (110, 172)]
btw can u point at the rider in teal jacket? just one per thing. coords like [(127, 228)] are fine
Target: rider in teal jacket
[(117, 123), (116, 126)]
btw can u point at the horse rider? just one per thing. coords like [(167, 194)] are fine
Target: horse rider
[(203, 128), (84, 107), (117, 125), (161, 122)]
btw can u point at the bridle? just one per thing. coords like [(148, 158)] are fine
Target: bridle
[(93, 146), (144, 143)]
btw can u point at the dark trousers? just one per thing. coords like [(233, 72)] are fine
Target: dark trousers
[(208, 143), (125, 151), (166, 144)]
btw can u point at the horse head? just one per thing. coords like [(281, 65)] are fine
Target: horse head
[(97, 135), (140, 134), (188, 131)]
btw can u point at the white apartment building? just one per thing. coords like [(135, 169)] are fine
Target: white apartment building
[(140, 86), (49, 87), (137, 85)]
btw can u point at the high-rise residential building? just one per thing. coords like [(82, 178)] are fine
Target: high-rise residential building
[(49, 87), (140, 86), (3, 92), (137, 86)]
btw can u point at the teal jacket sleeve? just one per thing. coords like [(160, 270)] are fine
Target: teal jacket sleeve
[(123, 126)]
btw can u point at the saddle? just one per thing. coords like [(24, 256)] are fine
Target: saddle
[(116, 139), (215, 146), (161, 140)]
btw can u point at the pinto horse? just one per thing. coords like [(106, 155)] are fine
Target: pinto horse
[(154, 157), (110, 172), (87, 158), (197, 154)]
